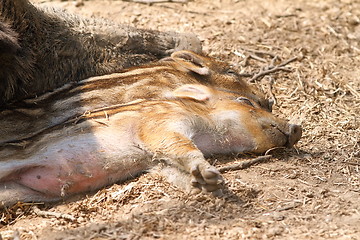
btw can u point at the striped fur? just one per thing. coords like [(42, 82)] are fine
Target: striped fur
[(153, 81), (87, 147)]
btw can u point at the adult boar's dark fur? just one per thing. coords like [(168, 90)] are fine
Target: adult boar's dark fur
[(41, 50)]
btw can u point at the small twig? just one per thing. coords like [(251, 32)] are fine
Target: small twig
[(273, 61), (244, 164), (266, 72), (245, 62), (106, 115), (270, 88), (42, 213), (255, 57), (289, 206), (271, 69), (239, 54), (271, 149), (306, 183), (102, 123), (353, 91), (289, 61)]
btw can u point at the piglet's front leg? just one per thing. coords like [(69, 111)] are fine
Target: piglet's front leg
[(203, 176), (180, 152)]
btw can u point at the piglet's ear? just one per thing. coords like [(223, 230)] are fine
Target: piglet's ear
[(193, 91), (190, 61)]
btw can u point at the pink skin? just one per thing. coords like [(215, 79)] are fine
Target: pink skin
[(76, 164)]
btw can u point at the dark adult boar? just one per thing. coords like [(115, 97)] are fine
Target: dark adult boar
[(42, 49), (105, 145)]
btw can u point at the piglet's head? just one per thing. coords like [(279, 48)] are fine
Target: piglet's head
[(212, 72), (235, 124)]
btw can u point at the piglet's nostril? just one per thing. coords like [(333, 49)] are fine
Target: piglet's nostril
[(294, 136)]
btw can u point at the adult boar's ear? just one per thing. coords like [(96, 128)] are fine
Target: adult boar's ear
[(193, 91), (190, 61), (8, 39)]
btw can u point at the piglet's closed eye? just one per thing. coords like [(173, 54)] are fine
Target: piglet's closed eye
[(245, 101)]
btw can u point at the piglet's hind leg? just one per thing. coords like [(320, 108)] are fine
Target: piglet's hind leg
[(11, 193)]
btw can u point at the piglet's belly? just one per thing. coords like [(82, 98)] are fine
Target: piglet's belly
[(78, 164), (67, 178), (55, 181)]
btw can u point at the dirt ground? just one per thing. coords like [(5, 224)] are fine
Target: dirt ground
[(311, 192)]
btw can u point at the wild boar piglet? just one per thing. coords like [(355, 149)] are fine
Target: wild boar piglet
[(110, 144)]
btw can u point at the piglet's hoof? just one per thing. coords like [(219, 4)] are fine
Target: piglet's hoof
[(209, 179)]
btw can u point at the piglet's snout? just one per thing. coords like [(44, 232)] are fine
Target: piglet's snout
[(294, 135)]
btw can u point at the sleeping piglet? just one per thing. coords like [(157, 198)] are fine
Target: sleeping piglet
[(110, 144)]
